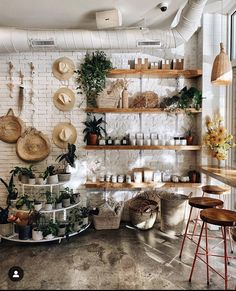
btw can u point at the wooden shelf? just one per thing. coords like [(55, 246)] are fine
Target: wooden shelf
[(129, 147), (132, 185), (157, 73), (140, 110)]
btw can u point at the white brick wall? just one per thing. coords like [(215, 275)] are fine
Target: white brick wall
[(46, 116)]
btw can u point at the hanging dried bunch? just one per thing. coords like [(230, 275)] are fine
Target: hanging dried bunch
[(21, 93)]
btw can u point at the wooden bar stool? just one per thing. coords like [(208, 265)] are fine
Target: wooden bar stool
[(225, 219), (212, 190), (199, 203)]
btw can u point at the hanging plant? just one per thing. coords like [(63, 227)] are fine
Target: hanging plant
[(91, 77)]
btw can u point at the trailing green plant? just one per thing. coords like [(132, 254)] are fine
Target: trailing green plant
[(91, 77), (11, 189), (23, 171), (50, 171), (4, 213), (94, 126), (69, 157)]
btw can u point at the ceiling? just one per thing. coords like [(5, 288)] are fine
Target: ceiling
[(80, 14)]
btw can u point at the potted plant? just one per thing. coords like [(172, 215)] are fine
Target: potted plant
[(24, 225), (50, 230), (58, 203), (68, 159), (49, 200), (93, 129), (24, 203), (65, 196), (50, 175), (38, 221), (11, 189), (91, 77), (23, 173), (6, 228), (75, 219), (84, 213), (37, 205), (40, 180)]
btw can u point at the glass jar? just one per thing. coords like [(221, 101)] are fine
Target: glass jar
[(120, 179), (128, 179)]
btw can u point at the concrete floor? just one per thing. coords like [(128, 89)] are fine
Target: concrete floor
[(121, 259)]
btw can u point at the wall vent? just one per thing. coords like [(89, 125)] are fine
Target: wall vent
[(149, 43), (42, 43)]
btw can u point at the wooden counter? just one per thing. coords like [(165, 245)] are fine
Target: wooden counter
[(227, 175)]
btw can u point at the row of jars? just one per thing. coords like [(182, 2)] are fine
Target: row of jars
[(140, 140), (145, 176)]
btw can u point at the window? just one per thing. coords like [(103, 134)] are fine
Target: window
[(233, 36)]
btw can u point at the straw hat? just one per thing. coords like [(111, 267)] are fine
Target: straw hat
[(11, 127), (33, 146), (64, 99), (64, 133), (63, 68)]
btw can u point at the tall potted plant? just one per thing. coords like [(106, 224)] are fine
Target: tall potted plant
[(91, 76), (93, 129), (68, 159), (6, 228), (11, 189)]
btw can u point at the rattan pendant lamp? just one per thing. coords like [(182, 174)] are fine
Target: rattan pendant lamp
[(221, 73)]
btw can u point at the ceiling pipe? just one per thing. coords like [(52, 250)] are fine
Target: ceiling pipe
[(19, 40)]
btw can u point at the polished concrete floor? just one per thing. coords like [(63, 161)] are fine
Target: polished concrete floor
[(121, 259)]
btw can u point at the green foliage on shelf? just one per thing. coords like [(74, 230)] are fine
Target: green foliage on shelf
[(94, 126), (91, 76), (11, 189), (69, 157)]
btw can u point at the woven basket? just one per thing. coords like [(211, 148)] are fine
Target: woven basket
[(107, 222), (143, 212)]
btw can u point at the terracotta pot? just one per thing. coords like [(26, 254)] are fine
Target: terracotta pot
[(92, 139), (189, 140)]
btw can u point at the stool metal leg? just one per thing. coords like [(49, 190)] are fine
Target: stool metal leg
[(207, 257), (196, 252), (225, 259), (186, 231)]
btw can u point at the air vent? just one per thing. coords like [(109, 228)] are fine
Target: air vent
[(41, 43), (149, 43)]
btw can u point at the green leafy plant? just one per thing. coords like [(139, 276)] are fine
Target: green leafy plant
[(4, 213), (51, 228), (11, 189), (50, 171), (49, 197), (66, 193), (94, 126), (23, 171), (24, 200), (69, 157), (91, 76)]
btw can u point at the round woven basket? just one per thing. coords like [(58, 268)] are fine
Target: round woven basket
[(143, 212)]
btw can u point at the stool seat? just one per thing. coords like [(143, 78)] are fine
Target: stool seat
[(216, 216), (215, 189), (204, 202)]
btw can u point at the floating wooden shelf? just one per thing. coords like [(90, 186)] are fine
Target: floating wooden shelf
[(129, 147), (132, 185), (157, 73), (140, 110)]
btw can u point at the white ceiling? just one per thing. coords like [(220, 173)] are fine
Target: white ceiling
[(64, 14)]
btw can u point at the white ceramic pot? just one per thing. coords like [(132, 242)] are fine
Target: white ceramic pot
[(148, 176), (40, 181), (49, 236), (62, 230), (52, 179), (138, 177), (48, 207), (64, 177), (66, 202), (37, 234), (24, 179), (38, 206), (32, 181), (59, 205)]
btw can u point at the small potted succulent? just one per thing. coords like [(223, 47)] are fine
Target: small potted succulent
[(93, 130), (65, 196), (51, 175)]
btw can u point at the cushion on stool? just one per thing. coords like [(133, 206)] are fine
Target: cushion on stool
[(214, 189), (216, 216), (204, 202)]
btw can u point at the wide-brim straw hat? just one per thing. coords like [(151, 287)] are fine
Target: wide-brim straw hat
[(11, 127), (64, 99), (33, 145), (63, 68), (64, 133)]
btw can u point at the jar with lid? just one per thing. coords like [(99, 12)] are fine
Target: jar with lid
[(124, 141), (117, 141), (109, 141), (177, 140), (128, 178), (183, 141), (120, 179), (166, 177), (114, 179)]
